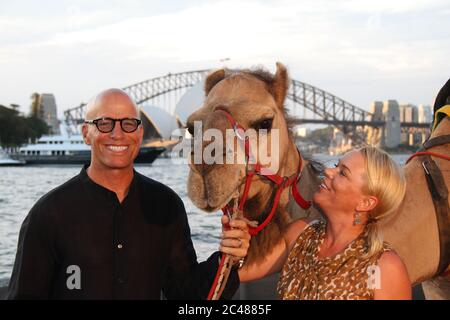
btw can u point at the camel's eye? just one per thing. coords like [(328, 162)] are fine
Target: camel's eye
[(190, 129), (265, 124)]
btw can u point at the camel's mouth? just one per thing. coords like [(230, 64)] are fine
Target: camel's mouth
[(214, 190), (213, 204), (230, 200)]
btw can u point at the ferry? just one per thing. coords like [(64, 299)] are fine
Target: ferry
[(69, 148)]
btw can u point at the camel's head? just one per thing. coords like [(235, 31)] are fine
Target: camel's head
[(255, 99)]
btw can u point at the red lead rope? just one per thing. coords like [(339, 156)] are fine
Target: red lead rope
[(437, 155), (280, 182), (216, 278)]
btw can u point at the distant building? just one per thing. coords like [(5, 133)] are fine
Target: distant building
[(393, 114), (424, 114), (374, 134), (43, 106), (392, 130), (340, 143), (390, 112), (410, 114), (401, 109), (376, 108), (403, 135)]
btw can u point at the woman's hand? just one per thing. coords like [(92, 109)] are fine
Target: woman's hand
[(235, 238)]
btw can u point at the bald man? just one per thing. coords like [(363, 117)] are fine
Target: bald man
[(110, 232)]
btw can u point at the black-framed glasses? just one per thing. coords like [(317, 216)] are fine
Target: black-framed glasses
[(106, 125)]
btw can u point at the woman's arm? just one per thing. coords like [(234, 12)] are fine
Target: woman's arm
[(274, 261), (394, 282)]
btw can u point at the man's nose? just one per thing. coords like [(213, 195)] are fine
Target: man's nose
[(117, 132)]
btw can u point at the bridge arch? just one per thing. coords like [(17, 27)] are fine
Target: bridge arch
[(326, 106)]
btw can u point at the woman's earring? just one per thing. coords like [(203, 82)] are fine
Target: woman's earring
[(357, 219)]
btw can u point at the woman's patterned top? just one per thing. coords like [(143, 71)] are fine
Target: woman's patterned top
[(346, 275)]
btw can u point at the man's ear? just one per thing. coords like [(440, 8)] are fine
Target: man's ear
[(141, 132), (84, 131), (368, 203)]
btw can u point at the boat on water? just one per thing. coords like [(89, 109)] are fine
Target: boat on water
[(69, 148), (6, 160)]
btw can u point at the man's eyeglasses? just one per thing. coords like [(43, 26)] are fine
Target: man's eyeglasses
[(106, 125)]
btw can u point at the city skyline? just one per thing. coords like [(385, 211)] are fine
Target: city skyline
[(359, 51)]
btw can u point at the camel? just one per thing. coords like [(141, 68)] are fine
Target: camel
[(210, 187), (254, 99), (413, 230)]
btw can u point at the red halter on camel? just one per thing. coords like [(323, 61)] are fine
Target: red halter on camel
[(280, 182)]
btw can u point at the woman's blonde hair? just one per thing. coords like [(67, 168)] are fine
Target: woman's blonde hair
[(386, 181)]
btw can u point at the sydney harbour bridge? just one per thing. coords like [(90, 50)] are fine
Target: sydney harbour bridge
[(307, 104)]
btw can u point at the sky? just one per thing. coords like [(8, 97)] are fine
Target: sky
[(358, 50)]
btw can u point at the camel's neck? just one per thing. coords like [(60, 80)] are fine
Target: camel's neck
[(291, 159), (263, 199)]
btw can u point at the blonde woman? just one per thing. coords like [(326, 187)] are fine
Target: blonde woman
[(344, 256)]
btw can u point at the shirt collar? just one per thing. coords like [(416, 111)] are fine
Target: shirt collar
[(95, 186)]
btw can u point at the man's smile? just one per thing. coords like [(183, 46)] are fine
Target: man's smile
[(117, 148)]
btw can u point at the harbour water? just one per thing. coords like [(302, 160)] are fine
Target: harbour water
[(21, 187)]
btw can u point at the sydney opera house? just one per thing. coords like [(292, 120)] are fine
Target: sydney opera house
[(163, 128)]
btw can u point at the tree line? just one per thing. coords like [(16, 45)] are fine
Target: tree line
[(16, 130)]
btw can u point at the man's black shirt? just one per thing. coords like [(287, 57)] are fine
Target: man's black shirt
[(128, 250)]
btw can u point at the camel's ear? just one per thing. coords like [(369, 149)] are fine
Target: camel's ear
[(213, 79), (280, 85)]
